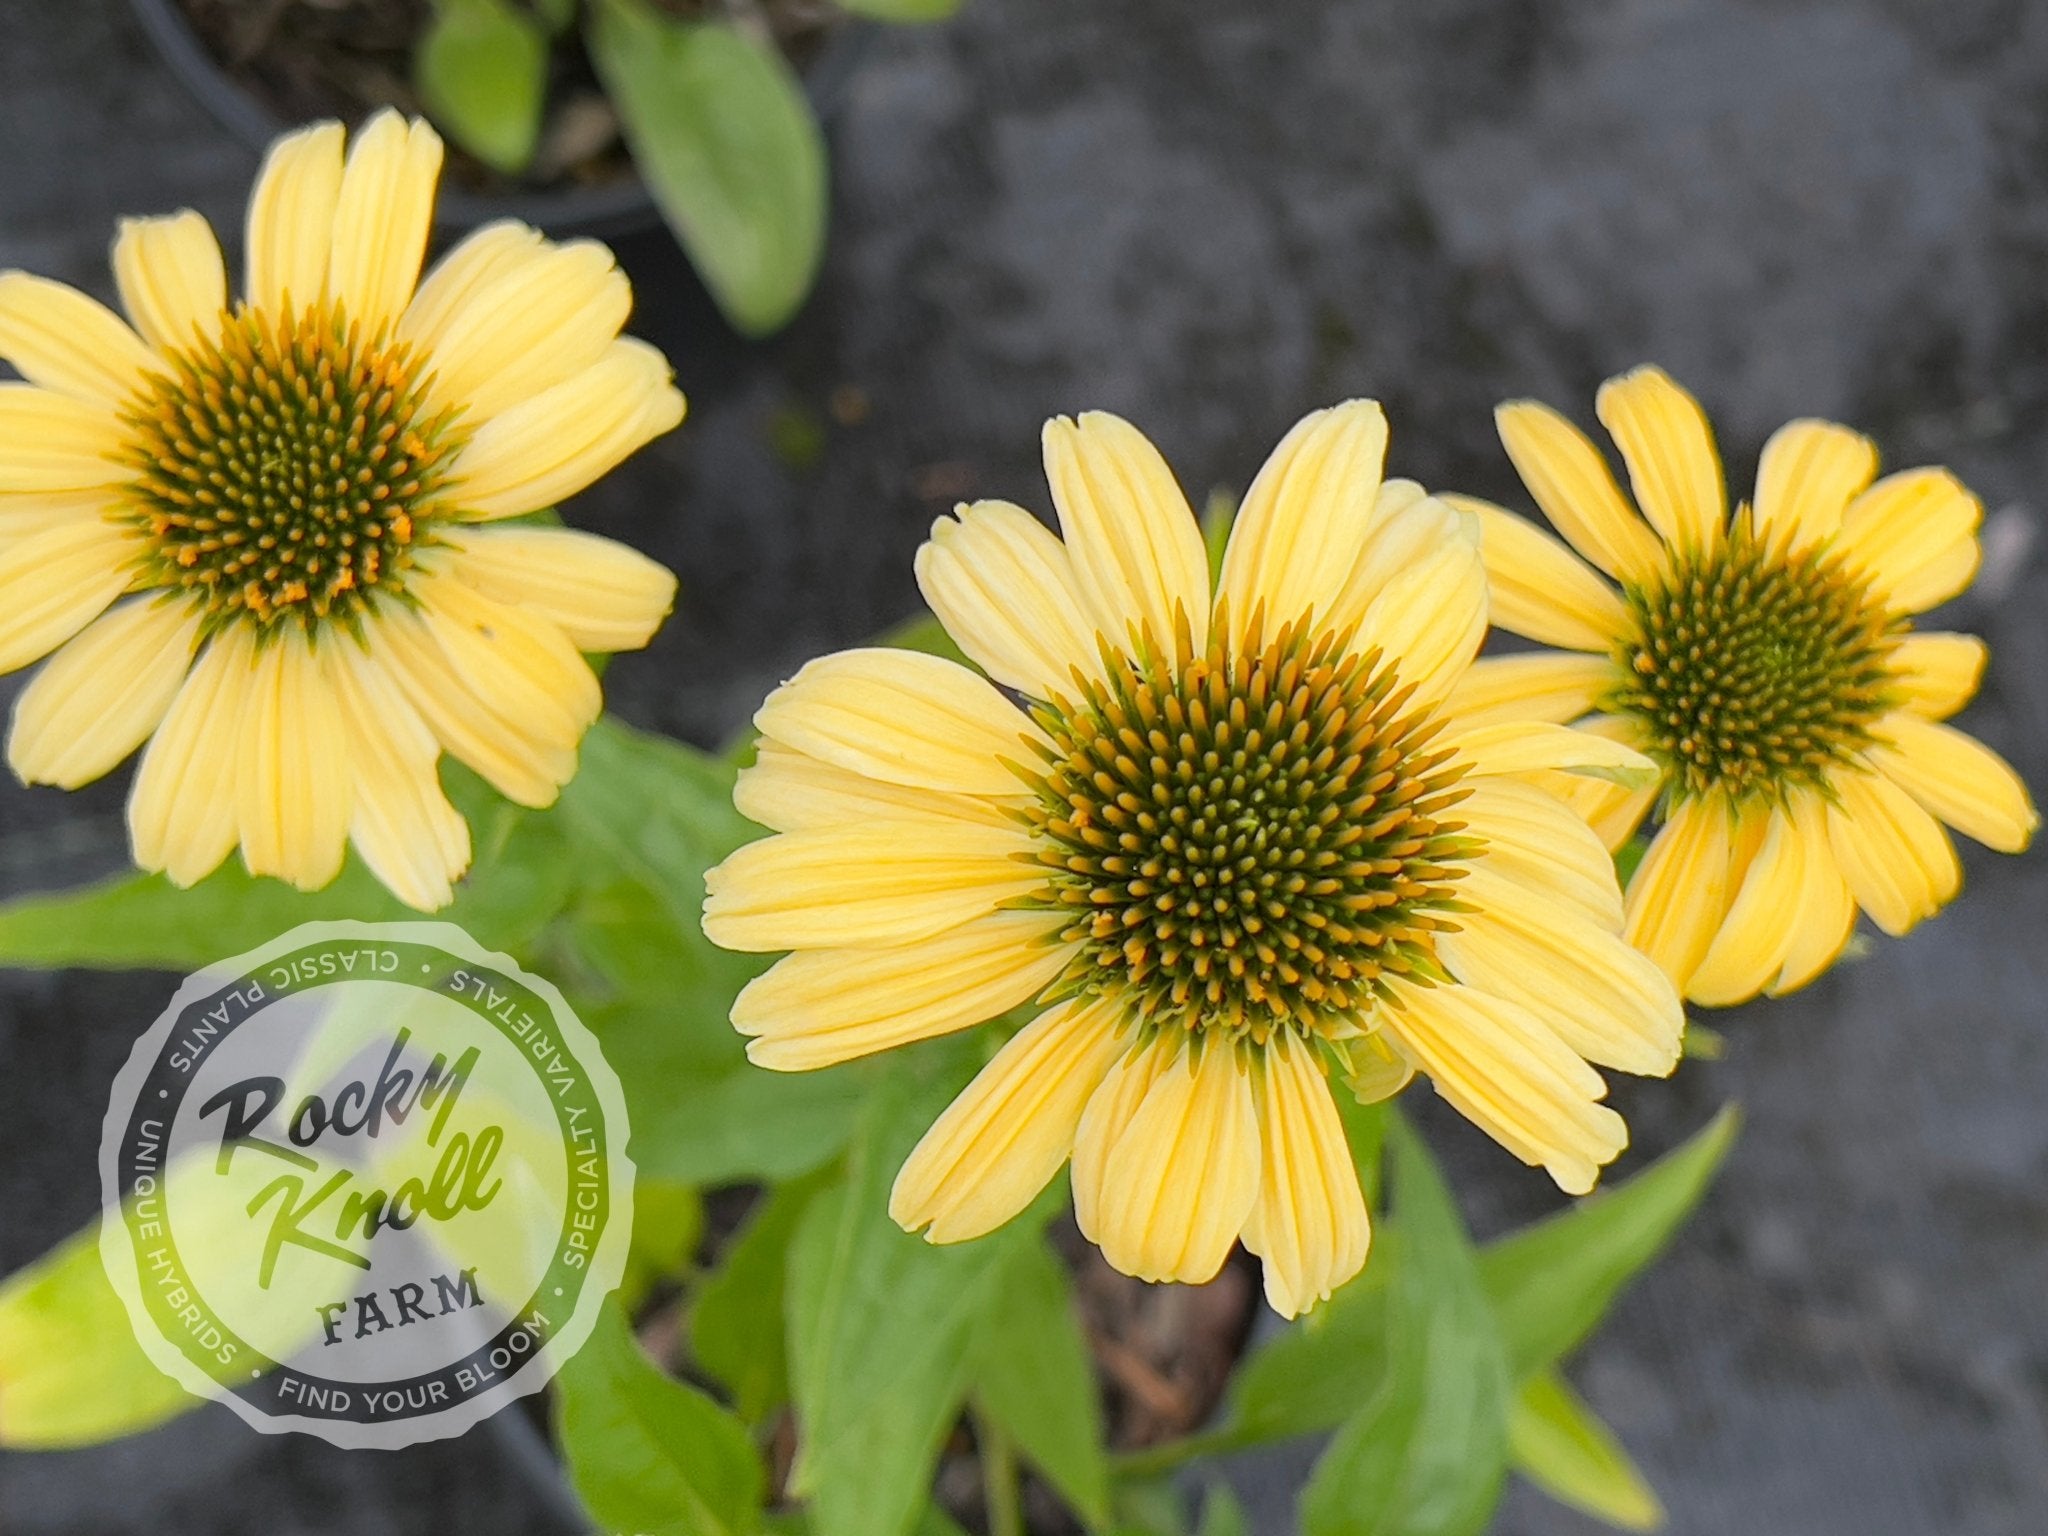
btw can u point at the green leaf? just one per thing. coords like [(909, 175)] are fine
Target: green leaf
[(1427, 1454), (1315, 1375), (1219, 515), (1033, 1376), (925, 633), (668, 1222), (720, 129), (481, 70), (647, 1453), (1222, 1515), (880, 1321), (1561, 1445), (902, 10), (71, 1372), (1552, 1282), (736, 1326)]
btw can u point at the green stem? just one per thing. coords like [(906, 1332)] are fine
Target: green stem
[(1001, 1491)]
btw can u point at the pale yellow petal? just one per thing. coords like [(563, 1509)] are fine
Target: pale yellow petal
[(24, 514), (382, 217), (172, 279), (1959, 779), (292, 783), (291, 219), (1137, 552), (1539, 588), (1572, 484), (602, 594), (905, 718), (1309, 1220), (1827, 907), (532, 314), (819, 1007), (1537, 839), (1001, 1141), (59, 338), (1668, 446), (1497, 1064), (1680, 892), (1749, 952), (181, 812), (1895, 856), (55, 582), (1614, 811), (1374, 1070), (882, 882), (1181, 1181), (1303, 524), (452, 286), (1525, 746), (401, 822), (516, 661), (1936, 674), (788, 791), (101, 696), (1429, 619), (1551, 686), (1809, 472), (1913, 537), (555, 443), (1603, 999), (1407, 528), (1004, 588), (1108, 1116), (53, 442)]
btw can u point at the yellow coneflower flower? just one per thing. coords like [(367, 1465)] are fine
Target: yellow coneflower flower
[(1232, 848), (1767, 662), (256, 535)]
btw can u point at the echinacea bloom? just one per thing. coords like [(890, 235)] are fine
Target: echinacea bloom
[(1767, 662), (1230, 847), (259, 535)]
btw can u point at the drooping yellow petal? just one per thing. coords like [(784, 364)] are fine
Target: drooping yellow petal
[(1913, 537), (1497, 1064), (553, 444), (1001, 1141), (1669, 449), (515, 659), (1180, 1182), (1959, 779), (1936, 673), (819, 1007), (1303, 524), (880, 883), (1108, 1116), (1551, 686), (1539, 588), (1748, 953), (99, 697), (1895, 856), (602, 594), (1538, 840), (1309, 1223), (292, 786), (1827, 908), (53, 442), (1137, 552), (291, 219), (401, 823), (1004, 588), (1528, 746), (1428, 620), (56, 581), (181, 813), (172, 279), (506, 316), (1603, 999), (789, 791), (1680, 892), (382, 216), (1571, 482), (1809, 472), (904, 718), (59, 338)]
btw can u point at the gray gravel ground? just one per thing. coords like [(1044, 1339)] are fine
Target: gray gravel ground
[(1211, 217)]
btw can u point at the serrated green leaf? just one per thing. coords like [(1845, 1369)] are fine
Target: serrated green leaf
[(1427, 1454), (647, 1453), (481, 69), (902, 10), (724, 136), (736, 1325), (1551, 1283), (1034, 1377), (1558, 1443)]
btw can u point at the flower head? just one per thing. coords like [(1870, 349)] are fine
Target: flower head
[(1767, 662), (1231, 847), (256, 533)]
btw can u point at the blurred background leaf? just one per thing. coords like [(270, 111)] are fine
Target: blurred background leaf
[(481, 70)]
